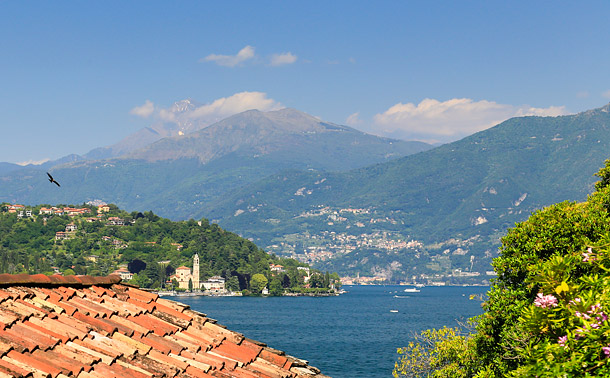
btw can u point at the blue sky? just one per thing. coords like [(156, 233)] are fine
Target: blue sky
[(79, 75)]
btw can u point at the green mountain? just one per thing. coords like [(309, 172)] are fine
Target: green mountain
[(452, 202), (182, 175)]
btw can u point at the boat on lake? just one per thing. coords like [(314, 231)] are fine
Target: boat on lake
[(411, 290)]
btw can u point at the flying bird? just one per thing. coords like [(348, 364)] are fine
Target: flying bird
[(51, 179)]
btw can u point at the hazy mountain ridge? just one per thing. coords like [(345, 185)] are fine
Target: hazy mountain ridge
[(479, 185), (178, 176)]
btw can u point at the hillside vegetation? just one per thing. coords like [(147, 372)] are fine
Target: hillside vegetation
[(68, 240), (474, 188), (546, 314)]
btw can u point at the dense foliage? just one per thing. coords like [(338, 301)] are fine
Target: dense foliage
[(547, 313), (150, 246)]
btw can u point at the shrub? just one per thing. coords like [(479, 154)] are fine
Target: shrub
[(547, 312)]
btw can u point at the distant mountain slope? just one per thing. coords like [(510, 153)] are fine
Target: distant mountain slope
[(182, 124), (182, 175), (479, 185), (8, 167), (284, 134)]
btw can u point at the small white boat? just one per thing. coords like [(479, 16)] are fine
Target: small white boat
[(393, 310), (411, 290)]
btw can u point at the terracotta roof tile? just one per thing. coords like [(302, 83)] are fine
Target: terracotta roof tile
[(82, 348), (160, 357), (153, 366), (99, 347), (62, 362), (85, 359), (68, 308), (92, 308), (95, 324), (35, 363), (162, 344), (65, 331), (142, 295), (16, 342), (95, 327), (24, 365), (190, 345), (141, 347), (238, 352), (43, 340), (14, 370), (155, 324), (137, 329)]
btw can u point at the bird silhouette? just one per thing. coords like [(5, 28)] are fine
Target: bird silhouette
[(51, 179)]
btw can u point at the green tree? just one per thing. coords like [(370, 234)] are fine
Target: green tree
[(257, 283), (316, 280), (275, 287)]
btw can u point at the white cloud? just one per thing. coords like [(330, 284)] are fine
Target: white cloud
[(34, 162), (237, 103), (283, 58), (353, 119), (435, 121), (186, 112), (143, 111), (243, 55)]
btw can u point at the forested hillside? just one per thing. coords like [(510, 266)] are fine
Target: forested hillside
[(89, 240)]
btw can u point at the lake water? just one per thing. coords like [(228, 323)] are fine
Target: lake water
[(353, 335)]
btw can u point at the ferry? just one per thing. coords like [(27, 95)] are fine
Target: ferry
[(411, 290)]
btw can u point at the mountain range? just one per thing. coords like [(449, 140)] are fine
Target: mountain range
[(182, 174), (340, 198)]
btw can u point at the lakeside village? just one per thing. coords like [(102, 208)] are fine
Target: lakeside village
[(348, 230), (100, 239)]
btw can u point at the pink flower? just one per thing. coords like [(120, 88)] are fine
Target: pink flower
[(587, 256), (563, 340), (606, 350), (545, 301), (575, 301)]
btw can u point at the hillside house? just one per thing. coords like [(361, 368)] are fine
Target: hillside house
[(124, 274), (71, 227), (61, 235), (103, 209), (115, 221), (276, 268), (15, 208)]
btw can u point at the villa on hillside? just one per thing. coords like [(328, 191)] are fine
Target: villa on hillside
[(124, 274)]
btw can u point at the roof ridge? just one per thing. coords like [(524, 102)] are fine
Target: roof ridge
[(42, 280)]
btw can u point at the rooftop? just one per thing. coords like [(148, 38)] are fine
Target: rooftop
[(94, 327)]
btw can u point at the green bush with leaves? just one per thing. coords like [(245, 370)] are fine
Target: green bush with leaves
[(546, 314)]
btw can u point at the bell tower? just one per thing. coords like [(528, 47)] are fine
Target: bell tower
[(196, 286)]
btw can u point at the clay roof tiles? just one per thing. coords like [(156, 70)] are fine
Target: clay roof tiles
[(91, 327)]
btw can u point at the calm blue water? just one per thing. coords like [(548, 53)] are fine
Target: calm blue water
[(353, 335)]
